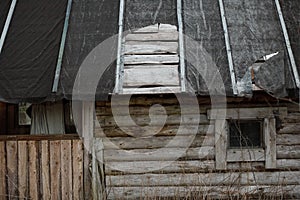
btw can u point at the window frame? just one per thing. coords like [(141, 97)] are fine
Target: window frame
[(267, 153)]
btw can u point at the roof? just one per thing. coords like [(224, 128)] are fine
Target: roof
[(29, 56)]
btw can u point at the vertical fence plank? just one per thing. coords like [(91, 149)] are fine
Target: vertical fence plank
[(45, 170), (55, 184), (77, 170), (33, 170), (66, 169), (87, 179), (12, 168), (2, 171), (23, 169)]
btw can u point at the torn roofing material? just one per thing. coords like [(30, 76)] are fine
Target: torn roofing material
[(29, 57)]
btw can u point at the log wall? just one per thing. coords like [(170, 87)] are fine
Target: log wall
[(41, 167), (193, 174)]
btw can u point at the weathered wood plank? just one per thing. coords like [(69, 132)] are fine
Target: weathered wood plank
[(87, 178), (142, 100), (45, 170), (12, 168), (168, 130), (204, 192), (38, 137), (247, 113), (221, 132), (87, 124), (33, 170), (168, 99), (288, 139), (142, 48), (193, 179), (66, 169), (77, 169), (270, 142), (152, 90), (236, 155), (174, 167), (293, 117), (290, 128), (158, 142), (150, 59), (169, 154), (271, 178), (142, 120), (165, 75), (98, 174), (205, 179), (288, 164), (3, 156), (154, 28), (144, 110), (23, 169), (195, 166), (159, 36), (55, 170), (288, 152)]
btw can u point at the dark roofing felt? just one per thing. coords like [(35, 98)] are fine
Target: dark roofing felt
[(28, 60)]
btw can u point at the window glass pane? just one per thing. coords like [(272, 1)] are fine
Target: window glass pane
[(245, 133)]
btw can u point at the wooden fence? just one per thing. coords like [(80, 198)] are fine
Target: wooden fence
[(41, 167)]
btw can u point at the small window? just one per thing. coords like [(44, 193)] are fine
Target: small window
[(245, 133)]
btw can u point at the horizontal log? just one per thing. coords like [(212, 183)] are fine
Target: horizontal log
[(161, 75), (154, 28), (144, 110), (141, 48), (195, 166), (288, 152), (193, 179), (271, 178), (158, 142), (288, 164), (293, 117), (162, 99), (158, 120), (290, 128), (166, 154), (247, 113), (169, 130), (205, 179), (173, 167), (168, 99), (159, 36), (288, 139), (152, 90), (150, 59), (205, 192)]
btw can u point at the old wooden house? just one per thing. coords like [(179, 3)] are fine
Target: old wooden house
[(149, 99)]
